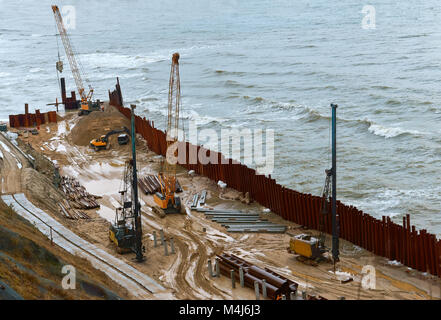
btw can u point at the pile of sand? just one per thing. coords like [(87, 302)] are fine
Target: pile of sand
[(96, 124)]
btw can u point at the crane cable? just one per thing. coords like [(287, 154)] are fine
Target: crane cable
[(58, 50)]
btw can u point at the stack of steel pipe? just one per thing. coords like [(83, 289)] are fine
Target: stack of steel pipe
[(276, 284), (417, 249)]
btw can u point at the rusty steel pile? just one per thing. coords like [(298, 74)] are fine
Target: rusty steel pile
[(276, 285), (77, 194), (151, 183), (417, 249), (30, 119), (69, 102)]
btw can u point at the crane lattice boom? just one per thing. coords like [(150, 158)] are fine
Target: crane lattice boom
[(174, 103), (74, 66)]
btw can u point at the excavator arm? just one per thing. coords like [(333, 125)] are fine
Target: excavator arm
[(110, 133)]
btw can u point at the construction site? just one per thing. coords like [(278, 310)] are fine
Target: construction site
[(93, 187)]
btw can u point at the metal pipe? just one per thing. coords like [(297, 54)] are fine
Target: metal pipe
[(256, 289), (264, 289), (155, 242), (242, 284), (335, 218), (216, 265), (292, 295), (165, 248), (161, 233), (137, 217), (210, 269), (172, 245)]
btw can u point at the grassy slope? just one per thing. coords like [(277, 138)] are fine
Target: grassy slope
[(31, 266)]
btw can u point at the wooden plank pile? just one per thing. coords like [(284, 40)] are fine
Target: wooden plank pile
[(70, 213), (150, 184), (77, 194)]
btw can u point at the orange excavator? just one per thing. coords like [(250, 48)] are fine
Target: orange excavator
[(166, 199)]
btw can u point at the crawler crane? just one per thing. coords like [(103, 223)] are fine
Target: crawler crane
[(166, 199), (87, 105)]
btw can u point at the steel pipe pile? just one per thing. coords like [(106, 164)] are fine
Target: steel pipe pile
[(417, 249), (275, 284)]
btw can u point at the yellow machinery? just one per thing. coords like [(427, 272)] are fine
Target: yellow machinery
[(126, 231), (166, 199), (102, 142), (307, 247), (87, 105)]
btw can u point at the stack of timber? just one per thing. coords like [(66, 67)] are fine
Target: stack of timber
[(70, 213), (237, 221), (276, 284), (150, 184), (77, 194)]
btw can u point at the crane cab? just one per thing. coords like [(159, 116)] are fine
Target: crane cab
[(122, 234), (170, 204), (87, 106)]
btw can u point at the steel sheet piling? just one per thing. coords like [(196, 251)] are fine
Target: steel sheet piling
[(417, 249)]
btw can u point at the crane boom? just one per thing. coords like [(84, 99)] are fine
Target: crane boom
[(86, 99), (167, 199), (69, 52), (174, 102)]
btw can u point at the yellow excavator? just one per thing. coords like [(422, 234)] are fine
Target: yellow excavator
[(166, 199), (103, 141)]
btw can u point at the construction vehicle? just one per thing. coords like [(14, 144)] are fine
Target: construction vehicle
[(308, 248), (166, 199), (103, 141), (126, 232), (86, 105)]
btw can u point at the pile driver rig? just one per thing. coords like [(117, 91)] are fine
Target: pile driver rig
[(310, 248), (86, 105), (166, 199), (126, 231)]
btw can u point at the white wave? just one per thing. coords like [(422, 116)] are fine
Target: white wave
[(390, 132), (114, 60), (156, 105), (34, 70), (4, 74)]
